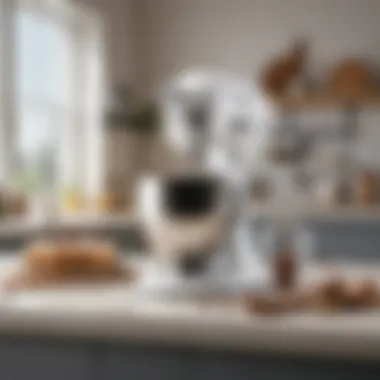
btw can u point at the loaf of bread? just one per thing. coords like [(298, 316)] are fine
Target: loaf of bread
[(71, 259)]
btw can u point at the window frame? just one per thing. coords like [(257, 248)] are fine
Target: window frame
[(86, 29)]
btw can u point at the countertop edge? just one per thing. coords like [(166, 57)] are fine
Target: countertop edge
[(263, 336)]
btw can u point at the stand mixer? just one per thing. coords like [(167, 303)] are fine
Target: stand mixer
[(198, 217)]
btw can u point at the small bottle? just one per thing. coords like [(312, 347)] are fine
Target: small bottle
[(366, 187), (284, 264), (285, 270)]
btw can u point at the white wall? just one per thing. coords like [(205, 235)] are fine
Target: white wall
[(118, 24), (240, 35), (149, 41)]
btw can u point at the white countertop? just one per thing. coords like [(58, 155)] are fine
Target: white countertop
[(119, 313)]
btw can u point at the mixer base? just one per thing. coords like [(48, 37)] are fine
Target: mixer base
[(218, 280)]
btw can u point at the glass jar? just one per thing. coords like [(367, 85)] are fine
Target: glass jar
[(290, 249)]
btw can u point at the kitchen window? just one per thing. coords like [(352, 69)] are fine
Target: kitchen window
[(51, 76)]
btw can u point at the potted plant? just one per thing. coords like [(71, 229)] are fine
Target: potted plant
[(131, 136)]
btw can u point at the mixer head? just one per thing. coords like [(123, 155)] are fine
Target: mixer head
[(217, 121)]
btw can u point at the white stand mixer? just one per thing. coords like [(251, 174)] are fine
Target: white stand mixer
[(218, 125)]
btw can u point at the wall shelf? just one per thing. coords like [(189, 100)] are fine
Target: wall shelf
[(324, 102), (316, 212)]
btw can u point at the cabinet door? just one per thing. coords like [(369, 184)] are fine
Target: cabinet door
[(213, 366), (147, 364), (22, 359)]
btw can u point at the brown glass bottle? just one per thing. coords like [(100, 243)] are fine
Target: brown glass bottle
[(285, 269), (366, 188)]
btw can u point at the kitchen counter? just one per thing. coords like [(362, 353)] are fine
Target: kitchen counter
[(122, 313), (123, 229), (22, 226)]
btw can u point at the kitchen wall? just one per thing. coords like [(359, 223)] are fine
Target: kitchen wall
[(240, 35), (120, 59), (119, 38), (149, 41)]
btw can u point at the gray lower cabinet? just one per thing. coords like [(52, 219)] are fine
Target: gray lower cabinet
[(169, 364), (39, 360), (214, 366), (146, 363), (23, 359)]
